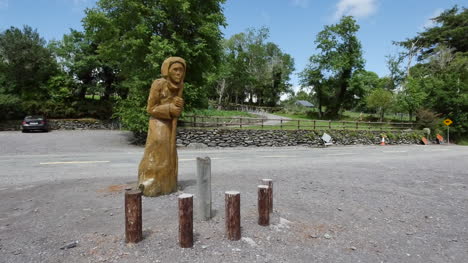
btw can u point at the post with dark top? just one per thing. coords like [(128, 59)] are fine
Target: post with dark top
[(133, 211), (263, 206), (232, 218), (269, 183), (186, 220)]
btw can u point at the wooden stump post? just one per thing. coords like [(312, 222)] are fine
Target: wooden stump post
[(232, 218), (263, 206), (133, 215), (204, 187), (269, 182), (186, 220)]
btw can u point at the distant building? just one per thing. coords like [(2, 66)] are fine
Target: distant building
[(304, 103)]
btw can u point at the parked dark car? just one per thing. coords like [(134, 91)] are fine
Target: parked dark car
[(35, 122)]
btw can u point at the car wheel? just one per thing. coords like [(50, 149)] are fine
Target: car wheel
[(23, 131)]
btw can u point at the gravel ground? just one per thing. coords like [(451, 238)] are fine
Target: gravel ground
[(341, 204)]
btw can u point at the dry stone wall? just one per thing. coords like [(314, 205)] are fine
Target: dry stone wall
[(279, 138)]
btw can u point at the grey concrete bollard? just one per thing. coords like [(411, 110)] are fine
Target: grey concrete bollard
[(204, 187)]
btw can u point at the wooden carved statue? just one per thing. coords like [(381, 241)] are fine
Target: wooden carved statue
[(157, 173)]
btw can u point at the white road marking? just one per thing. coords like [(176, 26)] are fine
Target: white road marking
[(339, 154), (278, 156), (185, 160), (395, 151), (76, 162)]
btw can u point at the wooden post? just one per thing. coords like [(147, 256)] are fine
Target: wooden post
[(186, 220), (329, 124), (262, 123), (314, 124), (232, 218), (269, 183), (357, 125), (194, 121), (240, 122), (263, 206), (281, 124), (133, 211), (298, 124), (204, 187)]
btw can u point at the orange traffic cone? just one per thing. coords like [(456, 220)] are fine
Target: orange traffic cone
[(382, 143)]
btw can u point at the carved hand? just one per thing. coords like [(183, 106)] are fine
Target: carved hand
[(174, 110), (179, 102)]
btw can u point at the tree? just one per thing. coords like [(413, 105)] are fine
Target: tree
[(264, 68), (360, 85), (442, 71), (26, 64), (133, 37), (451, 30), (381, 100), (78, 56), (339, 58)]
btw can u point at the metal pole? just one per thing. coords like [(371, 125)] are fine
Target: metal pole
[(448, 134)]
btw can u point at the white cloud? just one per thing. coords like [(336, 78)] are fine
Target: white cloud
[(300, 3), (429, 23), (356, 8), (3, 4)]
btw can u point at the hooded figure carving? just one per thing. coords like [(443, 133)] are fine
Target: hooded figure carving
[(157, 173)]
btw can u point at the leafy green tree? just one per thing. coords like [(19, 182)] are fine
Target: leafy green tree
[(133, 37), (26, 64), (263, 67), (451, 30), (442, 71), (339, 58), (381, 100), (78, 56), (360, 85)]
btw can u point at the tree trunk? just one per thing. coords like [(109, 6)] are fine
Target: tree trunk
[(221, 89), (336, 106)]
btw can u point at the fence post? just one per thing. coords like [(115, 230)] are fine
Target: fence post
[(263, 206), (240, 122), (298, 124), (232, 218), (217, 122), (269, 182), (281, 124), (186, 220), (314, 124), (329, 124), (357, 125), (133, 221), (262, 123), (194, 123)]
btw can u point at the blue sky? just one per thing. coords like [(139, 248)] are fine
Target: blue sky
[(293, 24)]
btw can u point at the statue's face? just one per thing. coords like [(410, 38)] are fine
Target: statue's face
[(176, 73)]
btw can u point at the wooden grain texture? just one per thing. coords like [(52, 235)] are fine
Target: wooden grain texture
[(269, 182), (133, 216), (263, 206), (186, 220), (232, 218)]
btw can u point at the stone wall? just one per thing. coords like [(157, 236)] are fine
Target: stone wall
[(66, 124), (278, 138)]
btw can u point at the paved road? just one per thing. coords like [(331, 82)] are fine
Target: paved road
[(271, 119), (336, 204)]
